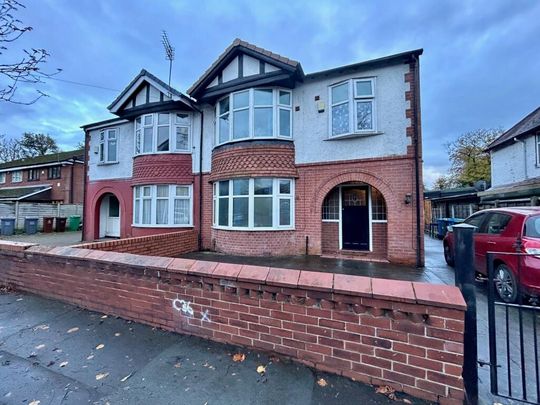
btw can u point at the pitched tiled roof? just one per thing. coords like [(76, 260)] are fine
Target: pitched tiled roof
[(41, 160), (527, 124), (20, 193), (235, 44), (146, 73)]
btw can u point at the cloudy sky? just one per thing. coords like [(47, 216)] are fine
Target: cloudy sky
[(480, 68)]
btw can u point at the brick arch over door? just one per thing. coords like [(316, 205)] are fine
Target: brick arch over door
[(394, 204), (96, 206)]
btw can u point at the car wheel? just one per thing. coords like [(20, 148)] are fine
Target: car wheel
[(448, 256), (505, 283)]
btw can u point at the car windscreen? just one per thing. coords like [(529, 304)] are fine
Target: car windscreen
[(532, 227)]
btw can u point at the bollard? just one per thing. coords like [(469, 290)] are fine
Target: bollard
[(465, 281)]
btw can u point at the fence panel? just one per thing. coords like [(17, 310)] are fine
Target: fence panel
[(38, 210)]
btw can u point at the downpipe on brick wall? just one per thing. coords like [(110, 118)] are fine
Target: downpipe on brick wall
[(416, 158)]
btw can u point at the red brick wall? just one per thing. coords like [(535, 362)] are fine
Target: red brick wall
[(170, 244), (406, 335), (249, 159), (169, 168), (329, 237), (256, 243)]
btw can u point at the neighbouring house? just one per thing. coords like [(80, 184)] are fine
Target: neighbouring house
[(262, 159), (515, 165), (52, 178), (457, 202)]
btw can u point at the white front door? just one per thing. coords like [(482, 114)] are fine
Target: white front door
[(112, 226)]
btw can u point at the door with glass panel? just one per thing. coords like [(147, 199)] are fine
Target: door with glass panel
[(355, 218)]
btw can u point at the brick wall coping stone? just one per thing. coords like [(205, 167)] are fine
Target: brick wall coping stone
[(444, 296)]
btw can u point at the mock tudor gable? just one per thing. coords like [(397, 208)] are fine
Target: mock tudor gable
[(244, 65)]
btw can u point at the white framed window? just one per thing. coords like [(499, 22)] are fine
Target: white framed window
[(352, 107), (163, 133), (16, 176), (378, 206), (331, 206), (108, 145), (163, 205), (254, 204), (2, 178), (537, 149), (254, 114)]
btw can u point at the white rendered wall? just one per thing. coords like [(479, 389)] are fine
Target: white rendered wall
[(311, 128), (508, 163), (121, 170)]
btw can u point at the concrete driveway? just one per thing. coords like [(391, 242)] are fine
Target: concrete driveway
[(49, 239)]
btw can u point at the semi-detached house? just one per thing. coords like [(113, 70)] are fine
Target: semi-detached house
[(260, 158)]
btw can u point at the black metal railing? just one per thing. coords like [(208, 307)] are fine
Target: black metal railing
[(513, 330)]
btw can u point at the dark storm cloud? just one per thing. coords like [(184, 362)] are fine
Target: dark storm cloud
[(480, 66)]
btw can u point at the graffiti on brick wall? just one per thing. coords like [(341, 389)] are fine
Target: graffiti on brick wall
[(185, 308)]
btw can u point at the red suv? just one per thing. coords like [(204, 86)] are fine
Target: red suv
[(505, 230)]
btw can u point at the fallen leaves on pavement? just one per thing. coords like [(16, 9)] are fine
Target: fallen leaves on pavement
[(35, 402), (63, 364), (322, 382), (101, 376), (126, 377), (90, 357), (41, 327), (40, 346), (261, 370), (100, 346), (73, 330), (239, 357)]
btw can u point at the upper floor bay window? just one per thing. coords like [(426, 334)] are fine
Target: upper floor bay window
[(353, 107), (254, 114), (163, 133), (537, 139), (2, 178), (254, 204), (162, 205), (108, 146)]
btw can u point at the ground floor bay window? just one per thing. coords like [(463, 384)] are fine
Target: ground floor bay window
[(254, 204), (163, 206)]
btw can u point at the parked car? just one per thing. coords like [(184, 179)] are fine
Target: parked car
[(505, 230)]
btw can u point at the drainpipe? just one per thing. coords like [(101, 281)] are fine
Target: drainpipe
[(85, 174), (71, 181), (200, 179), (524, 154), (416, 142)]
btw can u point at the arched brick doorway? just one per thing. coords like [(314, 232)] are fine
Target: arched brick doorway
[(354, 221), (107, 216)]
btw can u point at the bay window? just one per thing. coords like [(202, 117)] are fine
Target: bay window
[(352, 107), (162, 205), (108, 146), (254, 113), (254, 204), (163, 133)]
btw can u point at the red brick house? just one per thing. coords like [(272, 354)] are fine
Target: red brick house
[(262, 159), (57, 177)]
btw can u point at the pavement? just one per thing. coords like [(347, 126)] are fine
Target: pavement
[(49, 239), (60, 354)]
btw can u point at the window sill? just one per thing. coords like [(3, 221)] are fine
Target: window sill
[(246, 229), (270, 138), (160, 226), (354, 135), (108, 163), (163, 153)]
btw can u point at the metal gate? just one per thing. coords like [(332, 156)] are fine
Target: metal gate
[(513, 334)]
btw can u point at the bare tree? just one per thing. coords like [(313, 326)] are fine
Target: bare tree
[(26, 70), (9, 149)]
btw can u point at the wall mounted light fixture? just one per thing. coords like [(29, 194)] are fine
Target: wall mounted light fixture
[(408, 198)]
